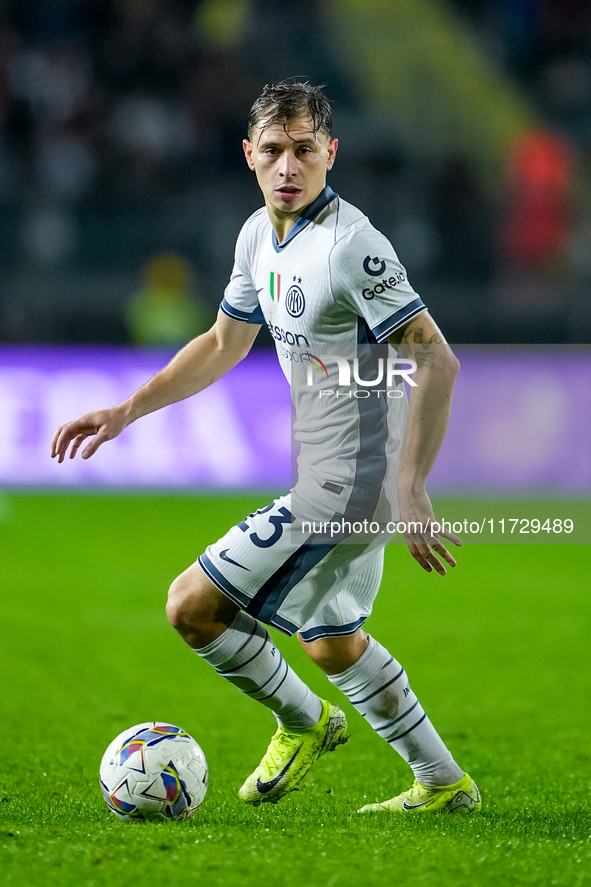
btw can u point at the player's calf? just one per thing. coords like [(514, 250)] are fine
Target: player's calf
[(240, 649)]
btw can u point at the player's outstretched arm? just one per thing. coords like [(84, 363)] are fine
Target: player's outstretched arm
[(430, 408), (199, 364)]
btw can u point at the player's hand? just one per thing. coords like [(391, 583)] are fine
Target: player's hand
[(424, 545), (101, 425)]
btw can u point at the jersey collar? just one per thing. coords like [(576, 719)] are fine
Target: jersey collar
[(323, 199)]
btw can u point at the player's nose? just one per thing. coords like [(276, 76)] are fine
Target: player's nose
[(287, 164)]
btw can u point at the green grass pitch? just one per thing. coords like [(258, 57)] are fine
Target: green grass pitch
[(498, 652)]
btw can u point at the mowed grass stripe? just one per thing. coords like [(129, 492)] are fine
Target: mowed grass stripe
[(497, 651)]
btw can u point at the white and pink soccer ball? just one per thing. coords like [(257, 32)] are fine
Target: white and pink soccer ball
[(153, 771)]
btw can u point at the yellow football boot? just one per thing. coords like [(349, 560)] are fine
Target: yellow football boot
[(461, 797), (290, 755)]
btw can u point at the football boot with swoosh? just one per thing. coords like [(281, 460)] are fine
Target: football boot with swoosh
[(461, 797), (290, 755)]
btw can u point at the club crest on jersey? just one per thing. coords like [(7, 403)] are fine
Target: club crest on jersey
[(294, 301), (374, 267)]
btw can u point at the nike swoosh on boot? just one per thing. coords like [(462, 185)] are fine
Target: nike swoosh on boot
[(264, 787)]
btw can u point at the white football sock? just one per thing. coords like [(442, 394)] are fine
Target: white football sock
[(247, 657), (378, 688)]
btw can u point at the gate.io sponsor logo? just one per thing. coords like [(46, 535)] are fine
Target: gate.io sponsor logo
[(374, 267), (389, 284)]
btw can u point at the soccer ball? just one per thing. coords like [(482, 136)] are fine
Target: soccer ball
[(153, 771)]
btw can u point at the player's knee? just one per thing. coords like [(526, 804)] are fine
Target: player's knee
[(196, 609), (176, 603), (186, 607)]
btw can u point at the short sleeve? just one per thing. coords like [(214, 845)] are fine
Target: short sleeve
[(367, 278), (241, 301)]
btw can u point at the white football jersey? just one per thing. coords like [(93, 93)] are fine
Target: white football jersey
[(335, 281)]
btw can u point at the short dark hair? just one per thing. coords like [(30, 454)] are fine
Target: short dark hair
[(284, 101)]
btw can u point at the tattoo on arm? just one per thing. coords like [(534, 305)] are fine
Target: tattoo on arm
[(415, 335), (425, 358), (415, 340)]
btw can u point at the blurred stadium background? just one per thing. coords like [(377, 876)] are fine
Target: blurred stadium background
[(465, 134)]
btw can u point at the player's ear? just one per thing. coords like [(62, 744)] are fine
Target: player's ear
[(332, 151), (247, 146)]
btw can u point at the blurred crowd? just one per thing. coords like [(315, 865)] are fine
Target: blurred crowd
[(542, 231), (120, 136), (112, 101), (120, 131)]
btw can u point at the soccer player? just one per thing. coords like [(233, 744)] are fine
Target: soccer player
[(313, 268)]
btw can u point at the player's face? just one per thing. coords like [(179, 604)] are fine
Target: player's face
[(290, 163)]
